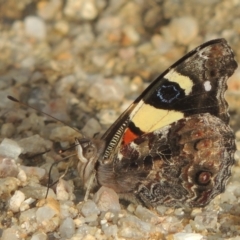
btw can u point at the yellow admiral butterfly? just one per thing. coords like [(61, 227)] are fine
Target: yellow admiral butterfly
[(173, 145)]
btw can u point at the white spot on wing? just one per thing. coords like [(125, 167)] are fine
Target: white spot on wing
[(207, 86)]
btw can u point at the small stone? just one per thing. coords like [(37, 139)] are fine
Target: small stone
[(7, 130), (8, 167), (48, 217), (62, 27), (5, 103), (107, 199), (67, 228), (146, 215), (91, 219), (16, 200), (89, 10), (34, 144), (68, 209), (10, 233), (36, 122), (82, 9), (28, 62), (108, 24), (35, 27), (132, 227), (64, 190), (188, 236), (107, 116), (127, 53), (131, 34), (37, 192), (99, 88), (65, 84), (22, 176), (39, 236), (91, 127), (110, 230), (179, 212), (37, 172), (89, 208), (9, 148), (206, 220), (26, 204), (88, 237), (228, 196), (86, 38), (27, 215), (84, 230), (7, 186), (48, 10), (161, 209), (184, 29), (62, 134)]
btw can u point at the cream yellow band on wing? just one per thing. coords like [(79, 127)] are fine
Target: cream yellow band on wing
[(149, 118), (184, 82)]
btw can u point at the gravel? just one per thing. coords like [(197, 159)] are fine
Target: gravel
[(84, 62)]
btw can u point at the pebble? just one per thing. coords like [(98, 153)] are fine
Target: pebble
[(7, 186), (39, 236), (107, 116), (37, 191), (85, 62), (184, 29), (27, 215), (107, 199), (37, 172), (65, 84), (206, 220), (99, 88), (188, 236), (9, 148), (35, 27), (7, 130), (49, 10), (10, 233), (91, 127), (82, 9), (63, 134), (48, 218), (34, 144), (16, 201), (8, 167), (64, 190), (146, 215), (89, 208), (110, 231), (67, 228)]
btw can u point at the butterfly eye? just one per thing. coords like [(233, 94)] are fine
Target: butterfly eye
[(89, 152), (203, 178)]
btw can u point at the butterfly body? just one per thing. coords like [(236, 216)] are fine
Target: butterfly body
[(173, 145)]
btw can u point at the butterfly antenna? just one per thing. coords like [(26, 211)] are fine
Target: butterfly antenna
[(50, 170), (28, 106)]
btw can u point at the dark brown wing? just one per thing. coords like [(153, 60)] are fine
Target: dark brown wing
[(184, 164)]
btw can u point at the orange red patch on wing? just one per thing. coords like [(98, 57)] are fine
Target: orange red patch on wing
[(129, 136)]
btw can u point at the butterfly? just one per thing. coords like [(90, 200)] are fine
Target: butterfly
[(173, 145)]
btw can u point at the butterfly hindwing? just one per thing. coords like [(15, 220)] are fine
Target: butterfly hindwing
[(185, 163)]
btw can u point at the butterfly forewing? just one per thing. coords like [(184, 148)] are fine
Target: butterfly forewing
[(194, 84)]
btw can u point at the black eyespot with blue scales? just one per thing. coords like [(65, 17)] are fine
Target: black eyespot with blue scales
[(166, 95)]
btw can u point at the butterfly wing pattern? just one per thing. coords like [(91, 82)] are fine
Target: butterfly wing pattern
[(173, 145)]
